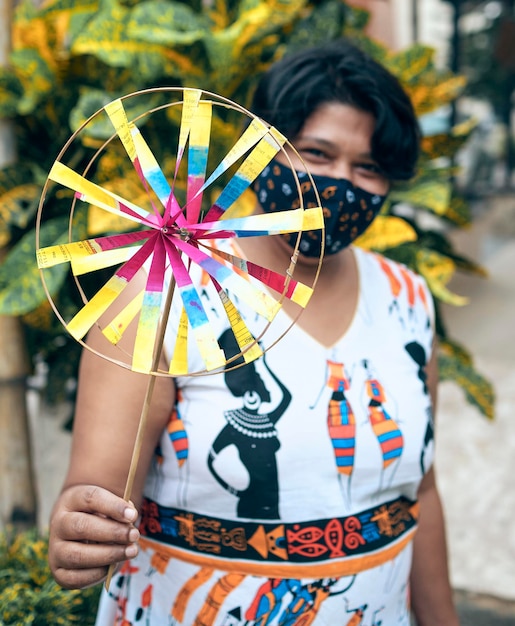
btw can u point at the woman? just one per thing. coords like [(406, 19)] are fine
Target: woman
[(309, 504)]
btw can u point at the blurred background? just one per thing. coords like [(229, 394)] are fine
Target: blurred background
[(457, 59)]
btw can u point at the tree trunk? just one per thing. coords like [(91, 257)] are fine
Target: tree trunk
[(17, 493)]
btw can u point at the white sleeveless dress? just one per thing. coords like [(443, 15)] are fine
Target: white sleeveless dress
[(284, 492)]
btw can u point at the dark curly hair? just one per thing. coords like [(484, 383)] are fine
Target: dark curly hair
[(298, 84)]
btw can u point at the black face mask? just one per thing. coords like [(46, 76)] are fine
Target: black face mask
[(348, 210)]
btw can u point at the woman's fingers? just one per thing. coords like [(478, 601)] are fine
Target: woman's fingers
[(78, 526), (100, 501), (91, 529), (80, 565)]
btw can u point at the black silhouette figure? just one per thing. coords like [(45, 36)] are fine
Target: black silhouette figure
[(253, 434)]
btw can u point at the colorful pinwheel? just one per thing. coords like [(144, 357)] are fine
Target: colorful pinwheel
[(170, 238)]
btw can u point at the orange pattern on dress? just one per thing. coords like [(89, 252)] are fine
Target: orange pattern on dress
[(216, 597), (187, 590)]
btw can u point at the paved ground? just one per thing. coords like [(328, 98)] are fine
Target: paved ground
[(475, 458), (484, 611)]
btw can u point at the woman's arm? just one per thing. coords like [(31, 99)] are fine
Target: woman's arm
[(91, 525), (431, 592)]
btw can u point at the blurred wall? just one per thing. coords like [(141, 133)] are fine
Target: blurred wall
[(398, 23), (6, 139), (382, 14)]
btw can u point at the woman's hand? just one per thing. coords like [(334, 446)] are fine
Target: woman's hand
[(90, 529)]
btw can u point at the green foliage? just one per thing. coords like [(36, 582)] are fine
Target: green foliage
[(70, 58), (28, 594), (455, 364)]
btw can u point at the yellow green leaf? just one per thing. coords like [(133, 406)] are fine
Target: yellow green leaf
[(35, 75), (386, 231), (458, 211), (438, 270), (447, 144), (225, 47), (455, 364), (412, 63), (430, 194), (166, 22), (107, 37), (434, 91)]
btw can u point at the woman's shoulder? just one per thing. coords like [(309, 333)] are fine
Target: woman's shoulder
[(384, 279), (396, 275)]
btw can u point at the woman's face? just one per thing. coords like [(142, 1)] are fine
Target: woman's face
[(335, 141)]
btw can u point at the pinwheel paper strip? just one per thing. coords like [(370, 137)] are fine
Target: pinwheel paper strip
[(172, 237)]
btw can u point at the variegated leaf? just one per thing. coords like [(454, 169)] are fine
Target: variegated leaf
[(106, 36), (11, 90), (225, 47), (167, 23), (458, 212), (19, 205), (432, 194), (36, 77), (41, 318), (92, 100), (438, 269), (447, 144), (412, 63), (21, 289), (386, 231), (329, 21), (434, 90), (455, 364)]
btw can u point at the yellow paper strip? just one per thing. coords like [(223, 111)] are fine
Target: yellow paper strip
[(179, 360), (211, 353), (63, 253), (101, 260), (201, 128), (252, 134), (279, 222), (259, 300), (118, 118), (150, 167), (190, 103), (144, 346), (301, 294), (118, 325), (99, 303), (242, 334), (92, 193), (138, 149), (260, 157), (313, 219)]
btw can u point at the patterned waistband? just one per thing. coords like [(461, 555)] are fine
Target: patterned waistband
[(332, 546)]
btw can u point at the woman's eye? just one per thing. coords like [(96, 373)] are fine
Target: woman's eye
[(315, 153), (370, 169)]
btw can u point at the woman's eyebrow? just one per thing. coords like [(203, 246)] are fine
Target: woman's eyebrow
[(326, 143), (322, 142)]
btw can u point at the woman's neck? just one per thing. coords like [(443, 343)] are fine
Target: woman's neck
[(332, 306)]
